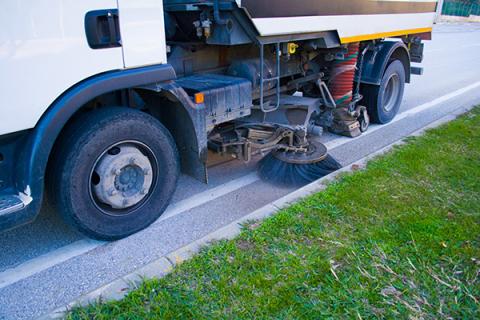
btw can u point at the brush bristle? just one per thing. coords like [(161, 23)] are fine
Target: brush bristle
[(287, 174)]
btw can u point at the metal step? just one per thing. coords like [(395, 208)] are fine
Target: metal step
[(10, 203)]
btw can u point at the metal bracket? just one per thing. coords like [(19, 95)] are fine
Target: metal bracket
[(275, 78)]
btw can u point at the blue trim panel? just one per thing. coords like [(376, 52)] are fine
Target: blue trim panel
[(10, 145), (32, 161)]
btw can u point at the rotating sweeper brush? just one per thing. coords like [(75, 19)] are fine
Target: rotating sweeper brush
[(290, 168), (289, 136)]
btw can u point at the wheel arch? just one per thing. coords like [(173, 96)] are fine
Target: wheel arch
[(377, 60), (34, 156)]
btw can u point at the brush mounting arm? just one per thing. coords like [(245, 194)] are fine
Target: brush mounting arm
[(251, 139)]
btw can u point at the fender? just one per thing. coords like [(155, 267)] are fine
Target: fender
[(185, 120), (32, 161), (377, 60)]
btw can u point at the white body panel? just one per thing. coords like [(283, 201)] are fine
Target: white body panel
[(43, 52), (347, 25), (143, 32)]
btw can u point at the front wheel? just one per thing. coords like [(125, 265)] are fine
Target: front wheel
[(383, 101), (114, 172)]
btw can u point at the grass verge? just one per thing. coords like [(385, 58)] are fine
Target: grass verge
[(400, 239)]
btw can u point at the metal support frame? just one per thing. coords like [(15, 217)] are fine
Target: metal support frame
[(275, 78)]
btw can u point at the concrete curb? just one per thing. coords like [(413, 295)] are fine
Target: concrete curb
[(120, 287)]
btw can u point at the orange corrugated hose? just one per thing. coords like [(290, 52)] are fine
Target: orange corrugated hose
[(343, 75)]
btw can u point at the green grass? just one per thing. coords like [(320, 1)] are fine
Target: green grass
[(400, 239)]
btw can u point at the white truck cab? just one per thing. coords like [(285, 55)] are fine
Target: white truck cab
[(44, 48)]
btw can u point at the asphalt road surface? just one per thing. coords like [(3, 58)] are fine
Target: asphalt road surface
[(45, 265)]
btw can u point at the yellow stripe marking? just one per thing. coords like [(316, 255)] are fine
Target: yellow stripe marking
[(383, 35)]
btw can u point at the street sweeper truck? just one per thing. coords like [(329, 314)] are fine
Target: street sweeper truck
[(104, 102)]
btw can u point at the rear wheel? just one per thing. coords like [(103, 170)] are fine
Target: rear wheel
[(383, 101), (114, 172)]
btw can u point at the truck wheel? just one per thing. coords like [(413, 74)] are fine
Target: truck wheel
[(383, 101), (113, 172)]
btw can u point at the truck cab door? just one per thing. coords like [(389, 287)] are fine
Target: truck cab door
[(143, 32)]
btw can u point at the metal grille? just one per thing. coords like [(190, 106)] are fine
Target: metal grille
[(461, 8)]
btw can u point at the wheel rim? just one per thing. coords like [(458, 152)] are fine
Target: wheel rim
[(364, 120), (122, 178), (391, 93)]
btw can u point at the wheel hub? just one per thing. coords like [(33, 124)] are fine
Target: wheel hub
[(316, 152), (125, 177), (391, 93)]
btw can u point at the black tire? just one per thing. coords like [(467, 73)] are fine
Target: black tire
[(76, 157), (383, 101)]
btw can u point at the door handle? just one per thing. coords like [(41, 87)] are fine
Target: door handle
[(102, 29)]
